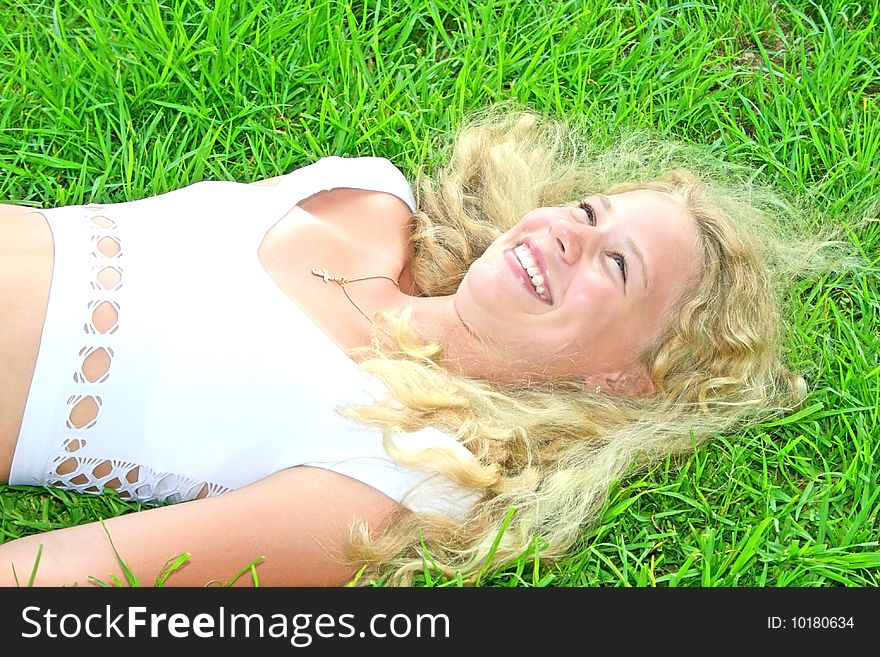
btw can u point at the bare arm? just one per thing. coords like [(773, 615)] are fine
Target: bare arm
[(297, 519), (8, 208)]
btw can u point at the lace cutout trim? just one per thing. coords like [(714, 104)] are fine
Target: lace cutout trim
[(101, 320), (131, 481)]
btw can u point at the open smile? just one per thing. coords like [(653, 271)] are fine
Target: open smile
[(528, 263)]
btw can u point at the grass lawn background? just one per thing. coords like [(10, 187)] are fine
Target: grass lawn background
[(104, 102)]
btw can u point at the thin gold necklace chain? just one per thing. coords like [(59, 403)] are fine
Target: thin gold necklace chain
[(342, 282)]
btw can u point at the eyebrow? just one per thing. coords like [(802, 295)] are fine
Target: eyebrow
[(606, 203)]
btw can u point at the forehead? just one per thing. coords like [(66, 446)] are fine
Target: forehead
[(652, 211), (649, 202), (664, 230)]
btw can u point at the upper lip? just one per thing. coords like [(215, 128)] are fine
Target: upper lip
[(540, 262)]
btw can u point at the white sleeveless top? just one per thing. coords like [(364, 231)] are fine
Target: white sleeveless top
[(216, 378)]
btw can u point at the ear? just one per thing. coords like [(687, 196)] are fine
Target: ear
[(635, 382)]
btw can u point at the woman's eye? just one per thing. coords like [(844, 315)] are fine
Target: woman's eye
[(591, 215), (621, 262)]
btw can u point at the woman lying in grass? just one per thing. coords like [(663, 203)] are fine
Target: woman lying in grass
[(331, 375)]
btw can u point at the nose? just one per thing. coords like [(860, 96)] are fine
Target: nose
[(575, 239)]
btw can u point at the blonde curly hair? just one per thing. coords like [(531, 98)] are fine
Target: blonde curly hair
[(546, 453)]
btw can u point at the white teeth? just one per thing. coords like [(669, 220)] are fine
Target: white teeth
[(525, 256), (529, 264)]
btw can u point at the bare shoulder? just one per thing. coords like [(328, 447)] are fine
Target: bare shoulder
[(295, 523), (359, 212), (341, 202)]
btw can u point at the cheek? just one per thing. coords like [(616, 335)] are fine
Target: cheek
[(478, 288), (534, 222), (593, 312), (593, 291), (481, 272)]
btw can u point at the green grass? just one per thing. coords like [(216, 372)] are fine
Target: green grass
[(112, 101)]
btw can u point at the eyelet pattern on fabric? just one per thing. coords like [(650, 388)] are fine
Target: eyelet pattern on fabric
[(102, 318)]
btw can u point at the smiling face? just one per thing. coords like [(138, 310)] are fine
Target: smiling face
[(581, 291)]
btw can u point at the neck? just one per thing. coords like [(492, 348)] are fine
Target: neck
[(436, 319)]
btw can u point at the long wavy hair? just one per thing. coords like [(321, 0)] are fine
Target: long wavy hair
[(547, 453)]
